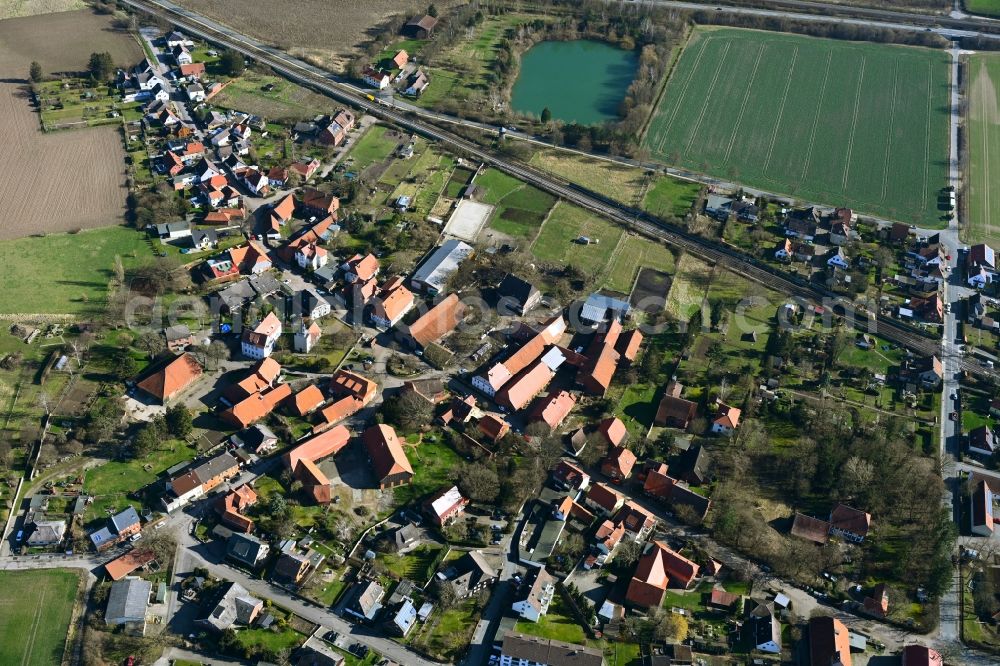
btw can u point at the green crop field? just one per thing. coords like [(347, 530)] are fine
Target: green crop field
[(983, 125), (35, 610), (984, 7), (841, 123)]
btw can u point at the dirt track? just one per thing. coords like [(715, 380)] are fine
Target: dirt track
[(64, 180)]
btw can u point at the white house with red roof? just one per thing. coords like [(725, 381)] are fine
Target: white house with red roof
[(259, 343), (727, 420), (445, 506)]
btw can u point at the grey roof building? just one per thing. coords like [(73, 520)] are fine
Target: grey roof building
[(236, 605), (433, 274), (246, 549), (469, 573), (47, 533), (366, 600), (598, 308), (127, 602), (404, 618)]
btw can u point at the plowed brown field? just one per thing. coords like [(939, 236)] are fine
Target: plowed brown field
[(64, 180)]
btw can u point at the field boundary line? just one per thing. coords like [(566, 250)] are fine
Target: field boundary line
[(680, 99), (927, 133), (706, 104), (33, 632), (892, 118), (781, 111), (986, 167), (854, 122), (679, 51), (746, 98), (819, 110)]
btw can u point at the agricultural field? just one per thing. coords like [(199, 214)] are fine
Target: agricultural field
[(286, 102), (660, 195), (983, 124), (326, 33), (36, 607), (520, 208), (853, 124), (556, 242), (19, 8), (48, 175), (77, 269)]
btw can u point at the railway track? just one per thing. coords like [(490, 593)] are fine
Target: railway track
[(627, 216)]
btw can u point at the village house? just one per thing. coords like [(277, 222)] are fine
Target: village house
[(435, 324), (657, 569), (468, 574), (127, 602), (568, 476), (306, 337), (727, 420), (516, 296), (673, 410), (387, 457), (445, 506), (982, 440), (172, 378), (981, 516), (199, 480), (247, 550), (553, 408), (376, 78), (351, 393), (829, 641), (534, 595), (231, 506), (259, 342), (120, 527), (234, 606), (303, 459), (390, 303), (849, 523), (420, 27)]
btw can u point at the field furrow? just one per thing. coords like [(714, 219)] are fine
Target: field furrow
[(853, 124)]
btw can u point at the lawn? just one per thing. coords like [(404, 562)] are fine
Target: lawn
[(566, 223), (983, 123), (556, 624), (520, 208), (984, 7), (433, 462), (373, 147), (35, 610), (860, 125), (66, 273), (286, 101), (688, 288), (452, 631), (274, 641), (417, 565), (634, 253), (670, 197), (122, 476)]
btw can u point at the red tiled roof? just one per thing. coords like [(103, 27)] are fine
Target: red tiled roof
[(657, 483), (325, 444), (438, 321), (729, 417), (127, 563), (628, 344), (850, 520), (920, 655), (345, 383), (613, 430), (655, 571), (172, 378), (619, 463), (553, 408), (283, 209), (255, 407), (493, 427), (307, 399), (604, 496), (385, 451), (829, 641), (517, 393)]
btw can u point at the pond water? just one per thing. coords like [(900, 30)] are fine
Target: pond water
[(579, 81)]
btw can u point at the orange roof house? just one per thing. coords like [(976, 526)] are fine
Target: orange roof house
[(657, 569), (255, 407), (553, 408), (319, 203), (502, 372), (517, 393), (361, 268), (307, 400), (628, 344), (129, 562), (284, 209), (231, 507), (618, 464), (328, 443), (389, 461), (602, 360), (604, 498), (494, 427), (401, 58), (391, 302), (829, 642), (657, 483), (195, 69), (614, 431), (727, 421), (437, 322), (172, 378), (353, 392)]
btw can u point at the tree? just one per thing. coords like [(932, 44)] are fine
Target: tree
[(595, 450), (546, 115), (407, 410), (151, 343), (628, 554), (216, 353), (146, 440), (432, 10), (478, 482), (35, 72), (101, 66), (670, 627), (125, 366), (444, 593), (179, 421), (232, 62)]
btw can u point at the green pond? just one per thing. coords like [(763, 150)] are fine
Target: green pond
[(580, 81)]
